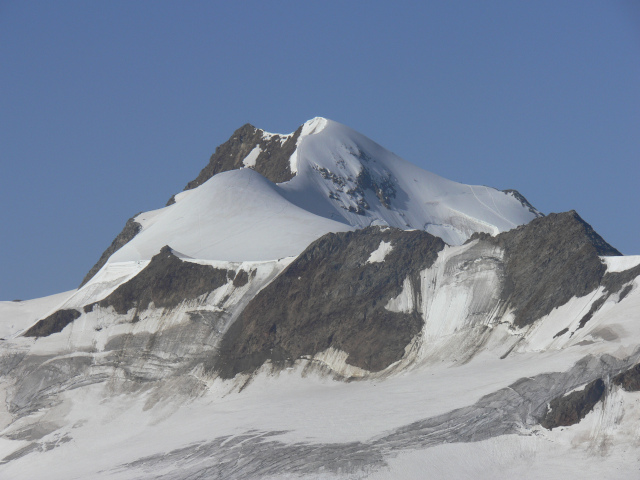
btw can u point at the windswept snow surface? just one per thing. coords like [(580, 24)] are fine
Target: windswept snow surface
[(620, 264), (250, 160)]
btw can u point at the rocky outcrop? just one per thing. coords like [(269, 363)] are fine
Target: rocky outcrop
[(130, 230), (571, 408), (549, 261), (166, 282), (354, 190), (629, 380), (615, 281), (333, 296), (54, 323), (272, 162)]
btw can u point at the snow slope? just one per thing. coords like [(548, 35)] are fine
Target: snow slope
[(332, 161), (235, 216)]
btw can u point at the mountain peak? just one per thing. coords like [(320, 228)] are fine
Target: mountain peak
[(333, 177)]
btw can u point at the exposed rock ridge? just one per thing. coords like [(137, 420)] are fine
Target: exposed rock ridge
[(613, 283), (272, 162), (166, 282), (570, 409), (54, 323), (331, 296), (130, 230), (629, 380), (549, 261)]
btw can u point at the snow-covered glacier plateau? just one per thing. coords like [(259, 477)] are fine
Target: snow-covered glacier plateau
[(313, 306)]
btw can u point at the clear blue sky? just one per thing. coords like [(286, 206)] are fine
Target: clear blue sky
[(108, 108)]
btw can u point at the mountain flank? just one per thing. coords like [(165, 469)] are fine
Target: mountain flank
[(547, 262), (332, 296)]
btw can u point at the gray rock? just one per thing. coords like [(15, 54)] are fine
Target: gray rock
[(54, 323), (272, 163), (167, 281), (549, 261), (629, 380), (570, 409), (331, 297)]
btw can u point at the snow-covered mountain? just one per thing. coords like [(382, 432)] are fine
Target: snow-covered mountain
[(313, 306), (335, 179)]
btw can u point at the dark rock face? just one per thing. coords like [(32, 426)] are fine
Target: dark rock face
[(167, 281), (629, 380), (272, 163), (547, 262), (614, 281), (625, 292), (241, 279), (572, 408), (561, 332), (130, 230), (331, 297), (54, 323)]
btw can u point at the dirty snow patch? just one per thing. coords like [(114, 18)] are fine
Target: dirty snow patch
[(379, 254), (250, 160)]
